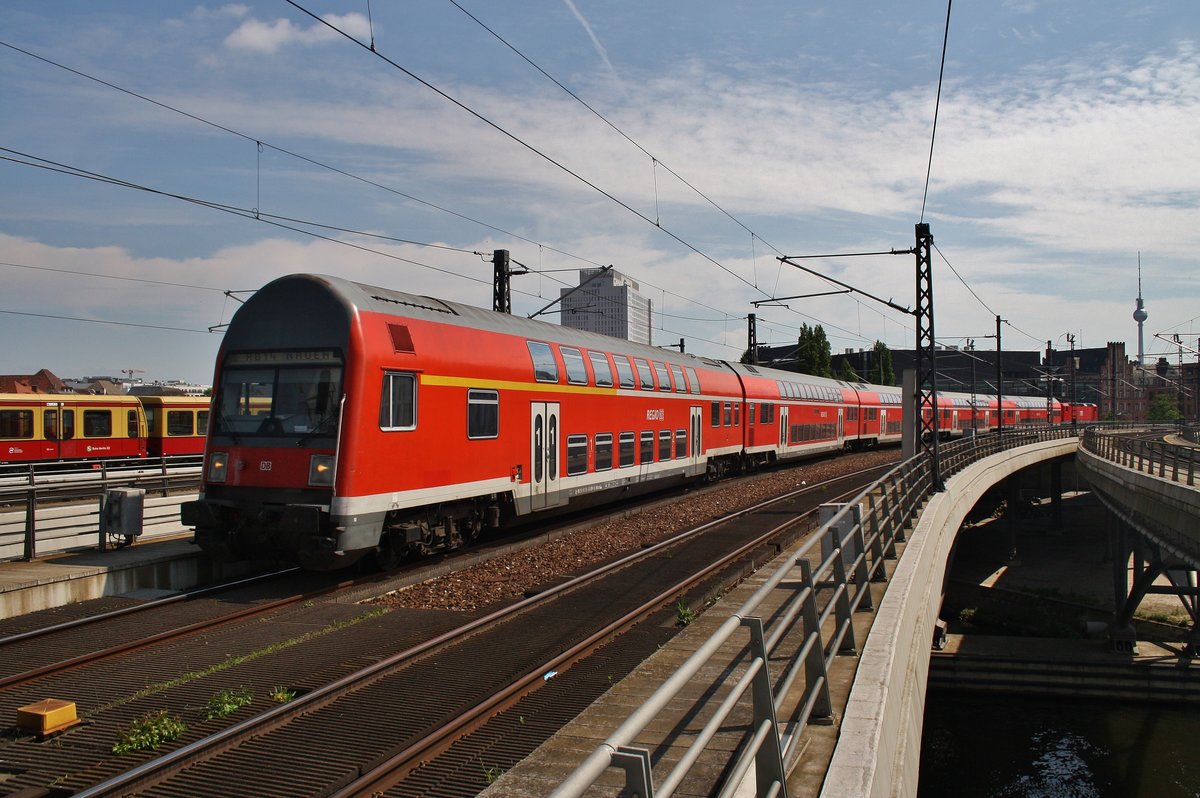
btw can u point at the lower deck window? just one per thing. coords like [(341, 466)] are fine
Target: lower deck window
[(604, 451), (577, 454), (483, 414), (664, 445), (647, 455), (681, 443), (627, 449)]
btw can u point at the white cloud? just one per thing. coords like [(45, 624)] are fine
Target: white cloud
[(257, 36)]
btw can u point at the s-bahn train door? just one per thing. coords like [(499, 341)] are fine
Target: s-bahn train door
[(543, 455)]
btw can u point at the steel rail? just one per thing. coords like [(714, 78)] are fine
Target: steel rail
[(160, 768)]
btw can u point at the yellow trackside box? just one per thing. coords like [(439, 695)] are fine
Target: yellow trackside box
[(46, 717)]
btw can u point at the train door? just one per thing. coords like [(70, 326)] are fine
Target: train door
[(882, 421), (52, 430), (841, 428), (783, 427), (696, 444), (543, 456)]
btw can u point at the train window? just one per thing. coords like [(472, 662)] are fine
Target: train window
[(626, 449), (737, 414), (152, 419), (693, 380), (647, 453), (201, 422), (729, 414), (664, 444), (180, 422), (645, 377), (716, 414), (624, 371), (603, 371), (660, 371), (544, 367), (750, 414), (573, 360), (49, 425), (577, 452), (604, 451), (398, 402), (680, 384), (483, 414), (68, 425), (681, 442), (131, 424), (97, 424), (16, 423)]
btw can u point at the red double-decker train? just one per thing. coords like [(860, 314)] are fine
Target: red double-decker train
[(350, 420)]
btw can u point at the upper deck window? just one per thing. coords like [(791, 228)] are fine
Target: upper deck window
[(603, 371), (664, 381), (624, 371), (680, 385), (545, 369), (398, 402), (645, 376), (693, 380), (573, 360)]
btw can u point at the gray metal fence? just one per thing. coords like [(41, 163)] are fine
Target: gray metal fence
[(825, 581)]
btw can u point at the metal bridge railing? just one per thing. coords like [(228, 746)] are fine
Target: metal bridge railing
[(812, 621), (1154, 457), (38, 487)]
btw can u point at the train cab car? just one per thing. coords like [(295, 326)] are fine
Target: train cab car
[(71, 427), (350, 420), (175, 425)]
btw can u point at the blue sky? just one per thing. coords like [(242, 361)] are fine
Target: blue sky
[(1068, 141)]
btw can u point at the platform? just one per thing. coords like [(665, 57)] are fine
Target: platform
[(162, 563)]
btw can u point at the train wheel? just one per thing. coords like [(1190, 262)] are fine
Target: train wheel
[(388, 555)]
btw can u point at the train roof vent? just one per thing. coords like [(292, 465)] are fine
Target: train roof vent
[(401, 339), (751, 369)]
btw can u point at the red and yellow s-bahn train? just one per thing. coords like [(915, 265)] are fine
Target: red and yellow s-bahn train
[(70, 428), (350, 420)]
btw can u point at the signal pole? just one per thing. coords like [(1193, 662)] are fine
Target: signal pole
[(752, 338), (501, 295), (926, 393), (999, 384)]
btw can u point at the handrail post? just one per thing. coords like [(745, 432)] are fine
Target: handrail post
[(768, 761), (30, 524), (636, 764)]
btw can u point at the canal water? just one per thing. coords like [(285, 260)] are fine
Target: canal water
[(981, 746)]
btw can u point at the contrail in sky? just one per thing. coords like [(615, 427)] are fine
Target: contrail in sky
[(595, 42)]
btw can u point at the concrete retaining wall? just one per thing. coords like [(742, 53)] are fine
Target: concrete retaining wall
[(879, 747)]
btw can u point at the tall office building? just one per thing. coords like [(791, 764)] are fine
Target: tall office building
[(608, 303)]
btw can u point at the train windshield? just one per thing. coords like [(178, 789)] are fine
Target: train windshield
[(279, 394)]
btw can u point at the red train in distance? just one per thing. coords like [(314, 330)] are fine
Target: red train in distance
[(72, 428), (350, 420)]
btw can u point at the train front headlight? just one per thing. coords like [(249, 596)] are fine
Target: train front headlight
[(320, 470), (217, 462)]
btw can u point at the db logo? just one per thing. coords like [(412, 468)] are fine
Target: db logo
[(264, 465)]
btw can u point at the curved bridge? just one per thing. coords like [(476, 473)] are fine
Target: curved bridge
[(1153, 487)]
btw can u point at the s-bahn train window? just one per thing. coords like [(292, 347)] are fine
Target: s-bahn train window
[(604, 451), (180, 422), (577, 452), (573, 360), (131, 424), (693, 380), (97, 423), (16, 423), (645, 376), (624, 371), (544, 367), (398, 402), (603, 371), (660, 371), (483, 414)]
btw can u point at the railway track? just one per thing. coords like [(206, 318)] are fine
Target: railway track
[(376, 688)]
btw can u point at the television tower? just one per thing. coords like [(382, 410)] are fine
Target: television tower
[(1140, 315)]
